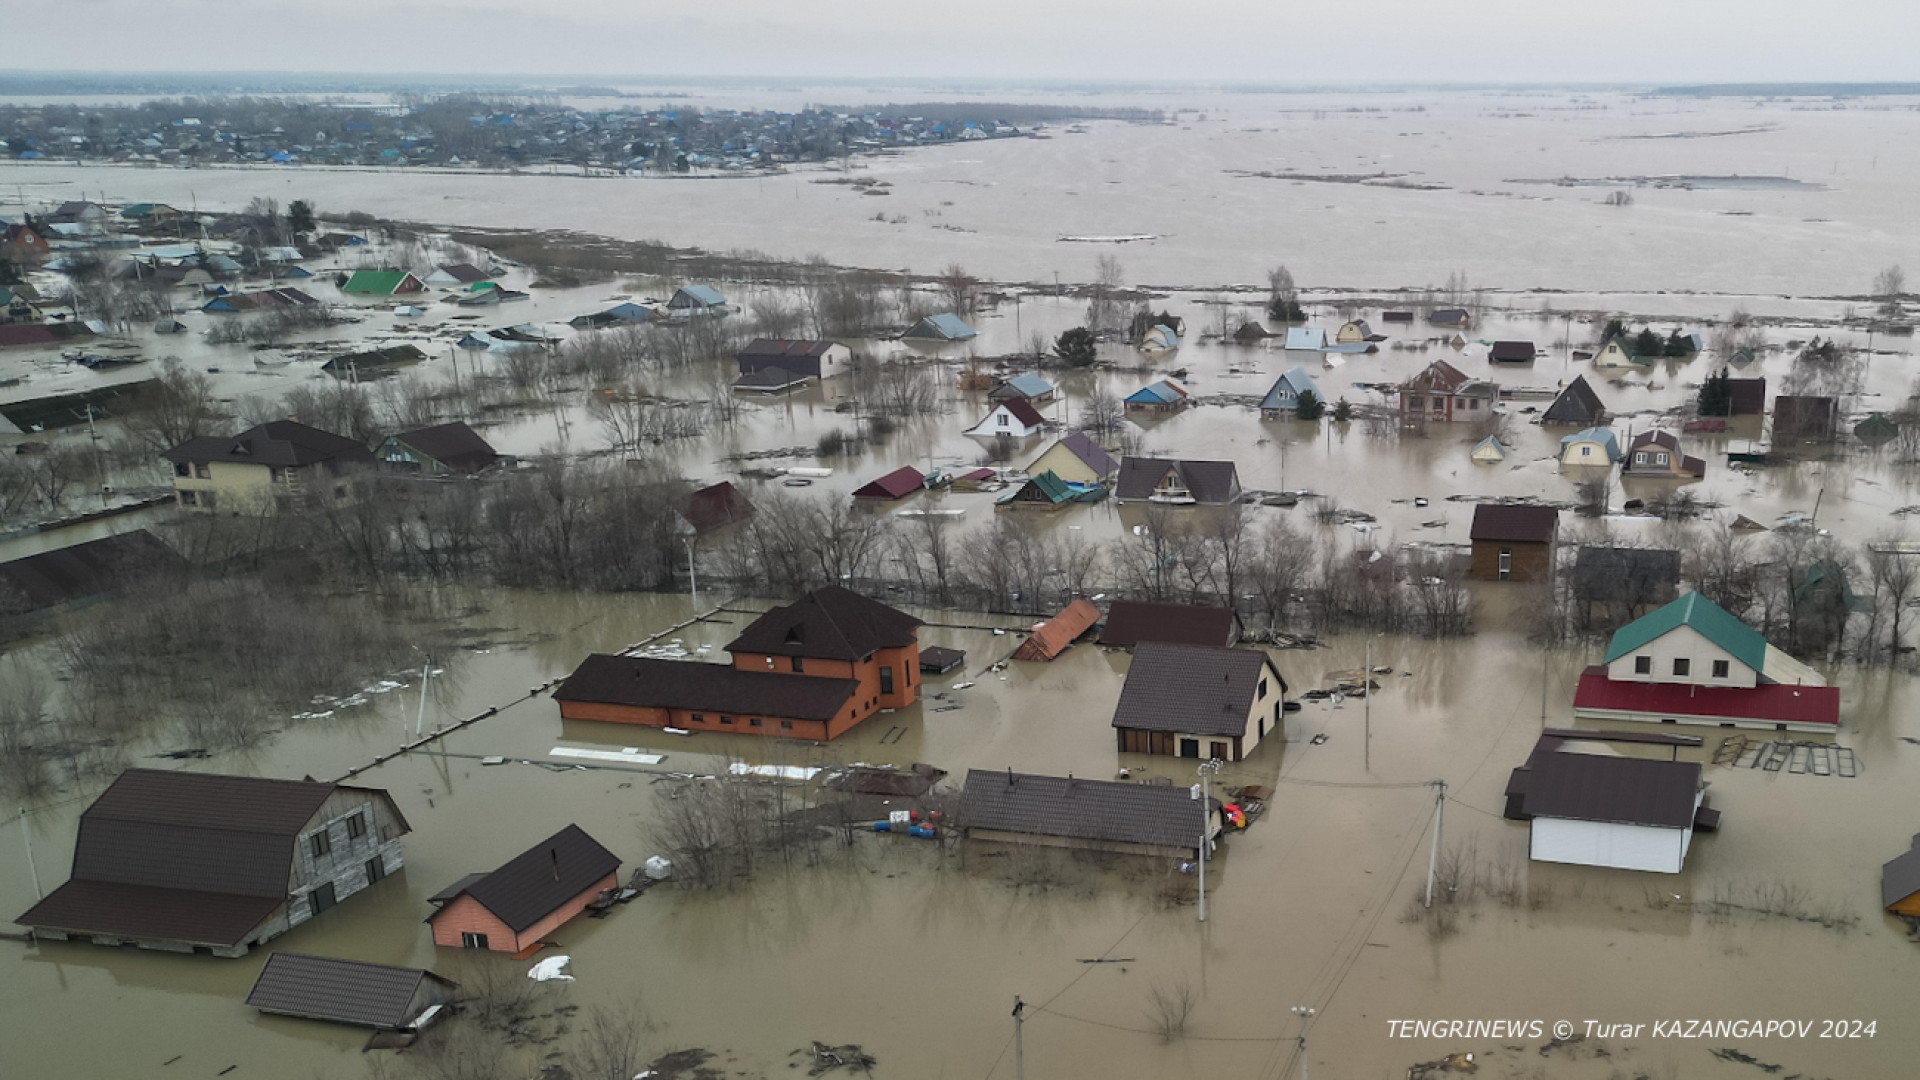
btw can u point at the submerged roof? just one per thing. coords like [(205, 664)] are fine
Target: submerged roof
[(897, 484), (83, 570), (1192, 689), (1089, 453), (1028, 385), (831, 623), (1709, 619), (1132, 622), (1524, 524), (1100, 811), (1604, 436), (1900, 877), (1577, 404), (646, 683), (1209, 482), (697, 296), (1049, 639), (542, 879), (454, 445), (281, 443), (945, 326), (342, 991), (1618, 790)]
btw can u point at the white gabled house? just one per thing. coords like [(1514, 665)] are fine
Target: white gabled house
[(1014, 418)]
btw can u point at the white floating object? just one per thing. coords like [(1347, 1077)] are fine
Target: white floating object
[(773, 772), (550, 969), (658, 868), (676, 731), (630, 754)]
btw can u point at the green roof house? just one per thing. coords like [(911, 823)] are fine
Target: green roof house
[(382, 283)]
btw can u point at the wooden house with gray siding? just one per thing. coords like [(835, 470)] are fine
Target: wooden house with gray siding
[(204, 863)]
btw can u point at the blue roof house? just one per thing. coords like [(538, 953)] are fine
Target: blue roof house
[(1593, 446), (943, 327), (1285, 395)]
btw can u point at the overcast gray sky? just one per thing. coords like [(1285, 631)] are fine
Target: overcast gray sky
[(1665, 41)]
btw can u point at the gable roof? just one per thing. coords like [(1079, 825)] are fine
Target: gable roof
[(198, 857), (86, 569), (1210, 482), (897, 484), (1709, 619), (1306, 337), (1049, 639), (1577, 404), (1133, 622), (1028, 385), (1438, 376), (1048, 483), (647, 683), (1449, 317), (945, 326), (1618, 790), (381, 282), (454, 445), (1080, 446), (1603, 436), (1021, 410), (1285, 392), (281, 443), (1078, 809), (1655, 437), (342, 991), (465, 273), (831, 623), (697, 296), (1511, 352), (1900, 877), (1491, 444), (1161, 392), (1192, 689), (540, 880), (716, 505), (1524, 524)]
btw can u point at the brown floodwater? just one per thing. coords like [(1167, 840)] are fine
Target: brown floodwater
[(917, 958)]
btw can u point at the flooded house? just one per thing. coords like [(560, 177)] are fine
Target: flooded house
[(382, 283), (1014, 418), (714, 507), (1601, 809), (1176, 482), (456, 276), (1593, 446), (621, 314), (1452, 318), (1443, 393), (1355, 330), (1615, 353), (1512, 542), (1511, 352), (1692, 662), (815, 359), (1031, 388), (268, 466), (1656, 454), (691, 300), (200, 862), (1076, 459), (1306, 338), (24, 245), (1900, 882), (1251, 333), (894, 486), (809, 670), (1042, 491), (16, 309), (1160, 396), (1284, 396), (1577, 404), (50, 580), (1747, 397), (513, 908), (1805, 418), (1087, 815), (354, 992), (440, 450), (943, 327), (1052, 637), (1135, 622), (1488, 451), (1160, 338), (1198, 701)]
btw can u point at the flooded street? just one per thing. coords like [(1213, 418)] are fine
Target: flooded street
[(916, 951)]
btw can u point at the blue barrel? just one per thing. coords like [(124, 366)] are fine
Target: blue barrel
[(879, 826)]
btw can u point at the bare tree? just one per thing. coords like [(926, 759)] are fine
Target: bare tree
[(961, 289), (176, 406), (1104, 310), (1890, 287), (1895, 578), (1102, 412)]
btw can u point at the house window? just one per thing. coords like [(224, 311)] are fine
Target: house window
[(799, 666), (181, 468), (786, 725), (1719, 669), (357, 826), (1263, 690), (1473, 404), (699, 718), (471, 940), (189, 498), (320, 844), (1643, 665), (753, 722), (1659, 459), (1682, 666), (320, 899), (1506, 563), (886, 680), (1640, 458), (206, 499), (1586, 451), (1439, 403), (375, 870), (200, 471), (1003, 419), (727, 720)]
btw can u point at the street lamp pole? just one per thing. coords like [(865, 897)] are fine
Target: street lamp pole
[(1206, 825), (693, 583), (1305, 1014)]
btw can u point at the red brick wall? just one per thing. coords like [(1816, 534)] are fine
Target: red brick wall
[(464, 914)]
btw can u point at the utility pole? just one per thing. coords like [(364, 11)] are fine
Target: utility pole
[(1439, 819), (1305, 1014), (1366, 694), (420, 718), (693, 582), (26, 834), (1204, 790), (1019, 1050)]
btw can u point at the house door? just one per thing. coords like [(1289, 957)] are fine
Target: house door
[(1222, 751), (471, 940), (1190, 748), (375, 870), (1506, 563), (320, 899)]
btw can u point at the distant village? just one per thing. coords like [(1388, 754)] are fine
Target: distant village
[(1713, 644)]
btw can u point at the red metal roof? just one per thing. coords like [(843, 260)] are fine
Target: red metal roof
[(897, 484), (1051, 638), (1775, 703)]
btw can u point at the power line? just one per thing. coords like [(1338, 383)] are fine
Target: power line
[(1156, 1034)]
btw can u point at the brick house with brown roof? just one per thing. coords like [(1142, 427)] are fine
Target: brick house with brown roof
[(535, 893)]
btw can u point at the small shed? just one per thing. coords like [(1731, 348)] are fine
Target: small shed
[(897, 484), (1511, 352), (1577, 404), (938, 659), (943, 327), (1815, 419), (378, 996), (1162, 396), (1489, 451), (1747, 397), (1512, 542), (532, 895), (1876, 430), (1091, 815), (1051, 638), (1620, 812)]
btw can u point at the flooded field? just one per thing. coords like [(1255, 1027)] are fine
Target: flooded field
[(916, 953)]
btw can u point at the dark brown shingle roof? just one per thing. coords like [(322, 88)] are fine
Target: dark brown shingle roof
[(1519, 524), (689, 684), (897, 484), (1511, 352), (1749, 396), (541, 879), (831, 623), (1577, 404), (1093, 810), (717, 505), (1193, 689), (1212, 483), (281, 443), (455, 445), (1131, 622), (342, 991), (83, 570), (1620, 790)]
